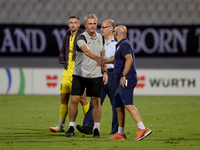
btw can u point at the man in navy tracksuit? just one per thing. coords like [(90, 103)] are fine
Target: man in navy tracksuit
[(125, 71)]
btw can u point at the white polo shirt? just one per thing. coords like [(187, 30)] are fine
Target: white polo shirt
[(84, 65)]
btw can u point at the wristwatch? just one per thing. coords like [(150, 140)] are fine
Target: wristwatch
[(105, 71), (123, 75)]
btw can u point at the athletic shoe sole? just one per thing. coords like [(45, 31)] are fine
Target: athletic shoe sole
[(148, 133), (52, 130), (69, 134)]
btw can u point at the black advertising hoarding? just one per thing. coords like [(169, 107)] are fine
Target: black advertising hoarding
[(147, 41), (31, 40), (162, 41)]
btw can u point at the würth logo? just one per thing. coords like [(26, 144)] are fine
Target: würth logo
[(51, 81), (141, 82)]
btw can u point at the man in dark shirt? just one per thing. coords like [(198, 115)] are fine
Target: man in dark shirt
[(125, 71)]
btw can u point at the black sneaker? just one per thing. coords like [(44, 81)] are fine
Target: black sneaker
[(85, 130), (112, 133), (96, 133), (70, 132)]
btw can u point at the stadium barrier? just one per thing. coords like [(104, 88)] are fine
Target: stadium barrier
[(44, 81)]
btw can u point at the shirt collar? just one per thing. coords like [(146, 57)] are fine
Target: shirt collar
[(90, 36), (121, 41), (112, 40)]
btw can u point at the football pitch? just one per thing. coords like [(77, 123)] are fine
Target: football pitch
[(25, 122)]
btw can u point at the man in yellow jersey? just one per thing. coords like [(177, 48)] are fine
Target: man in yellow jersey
[(67, 58)]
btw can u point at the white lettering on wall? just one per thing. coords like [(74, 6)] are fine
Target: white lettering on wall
[(59, 35), (155, 39), (197, 33), (34, 41), (22, 38), (180, 38), (35, 46), (164, 40), (7, 41)]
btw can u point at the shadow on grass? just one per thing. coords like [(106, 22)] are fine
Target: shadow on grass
[(29, 135)]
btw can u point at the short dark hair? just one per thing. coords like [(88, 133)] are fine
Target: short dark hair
[(74, 17)]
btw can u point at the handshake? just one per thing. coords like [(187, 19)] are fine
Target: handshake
[(101, 61)]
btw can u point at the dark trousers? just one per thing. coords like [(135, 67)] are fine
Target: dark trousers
[(108, 89)]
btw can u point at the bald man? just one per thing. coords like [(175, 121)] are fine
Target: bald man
[(110, 88), (125, 71)]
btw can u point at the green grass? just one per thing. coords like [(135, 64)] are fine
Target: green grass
[(25, 122)]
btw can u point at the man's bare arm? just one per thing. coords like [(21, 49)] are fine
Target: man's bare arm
[(90, 54), (110, 60)]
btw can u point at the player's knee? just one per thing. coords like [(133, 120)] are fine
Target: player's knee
[(75, 100), (64, 98)]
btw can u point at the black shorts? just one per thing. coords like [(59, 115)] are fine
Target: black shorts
[(92, 85)]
